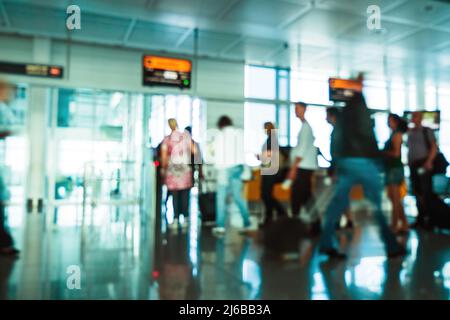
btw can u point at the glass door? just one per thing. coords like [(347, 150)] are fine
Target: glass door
[(95, 154)]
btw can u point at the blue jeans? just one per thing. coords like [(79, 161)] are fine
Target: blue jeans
[(229, 181), (351, 171)]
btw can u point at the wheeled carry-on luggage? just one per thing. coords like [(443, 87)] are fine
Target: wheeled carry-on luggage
[(439, 213), (207, 198)]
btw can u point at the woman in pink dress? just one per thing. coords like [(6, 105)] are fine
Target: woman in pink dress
[(176, 168)]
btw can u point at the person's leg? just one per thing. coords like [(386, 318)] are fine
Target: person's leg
[(336, 207), (184, 203), (176, 204), (394, 216), (295, 195), (400, 209), (427, 193), (306, 186), (6, 240), (418, 193), (221, 198), (236, 191), (266, 191), (370, 178)]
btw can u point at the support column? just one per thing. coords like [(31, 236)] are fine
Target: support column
[(37, 120), (35, 252)]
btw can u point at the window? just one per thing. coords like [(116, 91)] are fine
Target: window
[(411, 98), (310, 88), (398, 99), (430, 98), (260, 82), (256, 114), (265, 83), (376, 95)]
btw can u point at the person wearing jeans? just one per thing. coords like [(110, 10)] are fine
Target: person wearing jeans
[(229, 161), (352, 171), (357, 162), (230, 182)]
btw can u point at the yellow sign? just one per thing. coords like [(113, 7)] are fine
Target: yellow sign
[(167, 64)]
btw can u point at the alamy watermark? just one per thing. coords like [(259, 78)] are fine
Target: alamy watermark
[(74, 277), (373, 17), (73, 21)]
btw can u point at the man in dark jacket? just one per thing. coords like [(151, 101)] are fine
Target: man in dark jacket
[(356, 154)]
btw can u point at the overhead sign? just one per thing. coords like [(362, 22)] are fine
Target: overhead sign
[(165, 71), (343, 89), (32, 69)]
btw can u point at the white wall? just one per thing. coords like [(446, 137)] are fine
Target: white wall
[(220, 83)]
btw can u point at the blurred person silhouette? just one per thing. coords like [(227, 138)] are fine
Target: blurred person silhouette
[(332, 116), (420, 161), (268, 157), (394, 173), (176, 169), (229, 160), (196, 157), (6, 240), (356, 153), (304, 163)]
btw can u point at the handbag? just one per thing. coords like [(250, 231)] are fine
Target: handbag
[(440, 163)]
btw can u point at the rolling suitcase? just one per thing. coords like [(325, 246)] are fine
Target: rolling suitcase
[(440, 213), (284, 235), (207, 199)]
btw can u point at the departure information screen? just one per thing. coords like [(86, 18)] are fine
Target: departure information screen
[(343, 89), (32, 69), (165, 71)]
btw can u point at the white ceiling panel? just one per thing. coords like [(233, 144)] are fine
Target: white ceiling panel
[(156, 35), (323, 23), (211, 43), (388, 32), (266, 12), (42, 19), (107, 28), (421, 11), (424, 40), (359, 6), (205, 8), (254, 49)]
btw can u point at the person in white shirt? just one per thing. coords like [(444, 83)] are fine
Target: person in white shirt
[(304, 163), (229, 159)]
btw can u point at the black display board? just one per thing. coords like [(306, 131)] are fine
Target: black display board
[(32, 69), (166, 71)]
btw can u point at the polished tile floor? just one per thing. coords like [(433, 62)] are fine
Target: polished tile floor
[(120, 256)]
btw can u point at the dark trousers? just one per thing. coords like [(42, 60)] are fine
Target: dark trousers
[(270, 203), (301, 190), (422, 185), (6, 240), (180, 200)]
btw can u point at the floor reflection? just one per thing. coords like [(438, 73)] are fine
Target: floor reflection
[(121, 258)]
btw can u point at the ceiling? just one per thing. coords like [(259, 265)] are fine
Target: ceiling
[(324, 35)]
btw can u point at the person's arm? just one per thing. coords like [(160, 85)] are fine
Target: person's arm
[(396, 149), (164, 159), (428, 165)]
